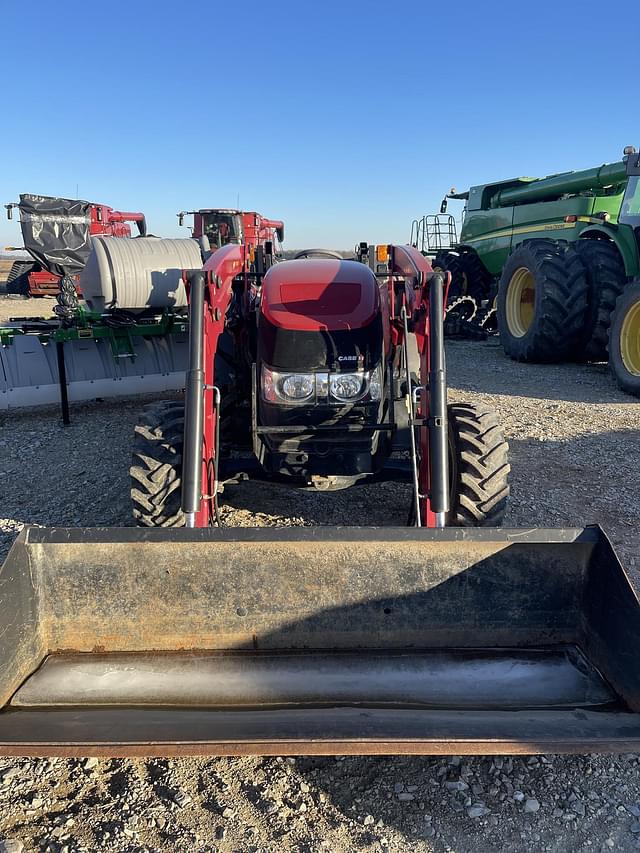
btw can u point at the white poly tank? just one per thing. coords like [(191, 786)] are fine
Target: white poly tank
[(140, 272)]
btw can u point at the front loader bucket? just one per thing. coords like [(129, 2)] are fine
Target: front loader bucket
[(317, 640)]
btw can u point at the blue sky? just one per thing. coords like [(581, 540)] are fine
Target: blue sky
[(345, 119)]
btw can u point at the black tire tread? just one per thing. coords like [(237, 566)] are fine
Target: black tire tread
[(450, 262), (480, 489), (156, 466), (627, 381), (606, 277), (18, 277), (561, 301), (478, 278)]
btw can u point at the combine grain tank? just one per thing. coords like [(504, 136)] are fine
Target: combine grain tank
[(57, 234)]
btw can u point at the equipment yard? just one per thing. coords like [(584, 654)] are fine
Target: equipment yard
[(575, 453)]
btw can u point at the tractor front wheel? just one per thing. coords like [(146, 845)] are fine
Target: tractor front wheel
[(156, 466), (624, 340), (479, 467), (542, 302)]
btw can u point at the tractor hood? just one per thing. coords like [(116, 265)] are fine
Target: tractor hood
[(318, 295), (320, 315)]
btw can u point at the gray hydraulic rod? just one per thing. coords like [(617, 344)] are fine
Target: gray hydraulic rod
[(194, 403), (438, 429), (412, 434), (557, 185)]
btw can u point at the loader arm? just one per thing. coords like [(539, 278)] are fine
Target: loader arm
[(424, 298), (209, 293)]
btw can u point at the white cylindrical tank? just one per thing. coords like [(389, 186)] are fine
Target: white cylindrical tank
[(141, 272)]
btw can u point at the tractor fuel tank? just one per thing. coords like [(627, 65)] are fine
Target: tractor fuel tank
[(317, 640)]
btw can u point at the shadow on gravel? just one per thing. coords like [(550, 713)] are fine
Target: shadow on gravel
[(275, 504), (482, 367), (542, 803), (586, 480), (582, 480)]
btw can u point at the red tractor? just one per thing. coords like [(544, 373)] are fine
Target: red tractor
[(307, 364), (217, 227), (56, 233)]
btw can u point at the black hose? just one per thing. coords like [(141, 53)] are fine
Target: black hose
[(67, 301)]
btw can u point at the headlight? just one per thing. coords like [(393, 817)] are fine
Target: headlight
[(322, 388), (346, 386), (364, 385), (298, 386), (375, 384), (288, 388)]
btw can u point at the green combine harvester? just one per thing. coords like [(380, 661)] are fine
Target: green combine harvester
[(559, 259)]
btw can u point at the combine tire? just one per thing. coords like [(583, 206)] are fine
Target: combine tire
[(624, 340), (156, 466), (606, 278), (542, 302), (461, 320), (477, 280), (479, 459), (18, 278), (450, 262), (468, 275)]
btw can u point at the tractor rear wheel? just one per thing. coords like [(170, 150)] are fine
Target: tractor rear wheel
[(624, 340), (606, 278), (479, 461), (156, 466), (542, 301)]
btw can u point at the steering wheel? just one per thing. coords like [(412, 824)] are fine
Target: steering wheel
[(317, 253)]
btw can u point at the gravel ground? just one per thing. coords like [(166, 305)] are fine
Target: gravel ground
[(575, 456)]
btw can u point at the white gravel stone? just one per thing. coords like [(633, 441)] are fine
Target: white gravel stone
[(11, 845), (477, 810)]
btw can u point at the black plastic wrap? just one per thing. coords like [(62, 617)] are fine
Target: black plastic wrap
[(56, 232)]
